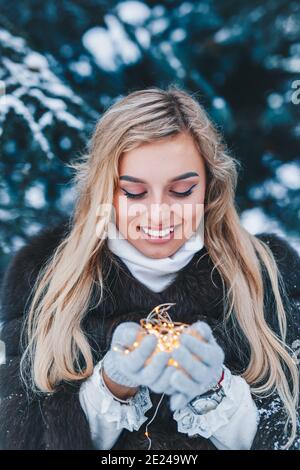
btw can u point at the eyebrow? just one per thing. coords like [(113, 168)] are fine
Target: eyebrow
[(184, 176)]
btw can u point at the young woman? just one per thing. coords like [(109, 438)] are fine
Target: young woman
[(154, 223)]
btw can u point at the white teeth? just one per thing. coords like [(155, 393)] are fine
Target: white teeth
[(158, 233)]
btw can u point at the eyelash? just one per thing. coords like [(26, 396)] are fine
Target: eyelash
[(185, 194)]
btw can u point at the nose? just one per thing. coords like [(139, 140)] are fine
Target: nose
[(158, 215)]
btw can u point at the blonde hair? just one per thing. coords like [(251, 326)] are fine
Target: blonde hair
[(62, 292)]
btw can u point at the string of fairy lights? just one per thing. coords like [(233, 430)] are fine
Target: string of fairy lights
[(160, 324)]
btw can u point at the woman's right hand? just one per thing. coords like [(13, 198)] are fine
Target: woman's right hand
[(137, 367)]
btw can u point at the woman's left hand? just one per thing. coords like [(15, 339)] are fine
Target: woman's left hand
[(201, 363)]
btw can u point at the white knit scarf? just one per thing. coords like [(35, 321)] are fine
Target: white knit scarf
[(155, 273)]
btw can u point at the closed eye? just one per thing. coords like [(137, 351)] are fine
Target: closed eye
[(177, 194), (130, 195), (186, 193)]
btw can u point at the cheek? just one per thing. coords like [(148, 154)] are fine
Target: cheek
[(124, 220), (120, 213), (116, 206), (121, 206), (193, 212)]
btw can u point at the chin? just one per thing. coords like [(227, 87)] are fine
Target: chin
[(156, 251)]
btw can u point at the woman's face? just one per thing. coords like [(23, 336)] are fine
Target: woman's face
[(161, 187)]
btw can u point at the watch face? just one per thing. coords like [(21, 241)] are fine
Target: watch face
[(202, 404)]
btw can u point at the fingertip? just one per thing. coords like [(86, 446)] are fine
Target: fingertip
[(184, 338), (204, 329), (125, 333), (151, 339), (177, 354), (149, 342)]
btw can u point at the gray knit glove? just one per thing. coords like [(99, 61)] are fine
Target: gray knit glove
[(130, 369)]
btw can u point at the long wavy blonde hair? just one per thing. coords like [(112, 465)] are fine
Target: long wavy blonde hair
[(54, 337)]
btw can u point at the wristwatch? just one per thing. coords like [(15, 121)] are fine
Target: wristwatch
[(209, 400)]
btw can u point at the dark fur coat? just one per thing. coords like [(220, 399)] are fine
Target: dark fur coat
[(57, 421)]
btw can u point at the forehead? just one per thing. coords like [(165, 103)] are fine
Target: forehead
[(163, 159)]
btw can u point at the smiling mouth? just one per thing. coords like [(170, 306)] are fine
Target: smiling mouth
[(162, 233)]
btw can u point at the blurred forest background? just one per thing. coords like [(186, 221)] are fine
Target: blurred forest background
[(62, 62)]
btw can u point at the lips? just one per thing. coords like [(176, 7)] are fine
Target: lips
[(151, 234), (157, 233)]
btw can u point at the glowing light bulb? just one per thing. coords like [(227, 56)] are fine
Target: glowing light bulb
[(161, 325)]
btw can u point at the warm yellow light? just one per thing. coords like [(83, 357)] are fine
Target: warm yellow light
[(160, 324), (172, 362)]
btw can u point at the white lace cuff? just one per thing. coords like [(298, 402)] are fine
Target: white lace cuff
[(228, 421), (100, 405)]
